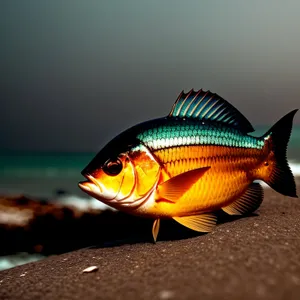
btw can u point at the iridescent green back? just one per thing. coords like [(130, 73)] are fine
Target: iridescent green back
[(172, 132)]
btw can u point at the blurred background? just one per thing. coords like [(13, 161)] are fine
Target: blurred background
[(73, 74)]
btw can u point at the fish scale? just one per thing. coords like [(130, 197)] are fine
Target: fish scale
[(211, 154), (226, 150), (226, 178), (170, 133)]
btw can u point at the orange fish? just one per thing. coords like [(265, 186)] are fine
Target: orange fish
[(187, 165)]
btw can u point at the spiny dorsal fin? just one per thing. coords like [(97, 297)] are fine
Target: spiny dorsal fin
[(203, 223), (209, 106), (248, 202)]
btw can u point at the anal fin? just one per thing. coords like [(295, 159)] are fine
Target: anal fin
[(203, 222), (248, 202)]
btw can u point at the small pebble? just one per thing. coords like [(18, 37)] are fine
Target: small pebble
[(90, 269), (166, 294)]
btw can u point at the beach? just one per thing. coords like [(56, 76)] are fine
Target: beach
[(254, 257)]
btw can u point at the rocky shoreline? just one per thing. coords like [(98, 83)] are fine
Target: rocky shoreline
[(33, 226)]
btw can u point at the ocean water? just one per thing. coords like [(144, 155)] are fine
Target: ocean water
[(55, 175)]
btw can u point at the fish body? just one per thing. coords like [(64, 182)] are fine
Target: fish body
[(182, 146), (187, 165)]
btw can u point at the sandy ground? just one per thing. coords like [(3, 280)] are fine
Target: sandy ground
[(255, 257)]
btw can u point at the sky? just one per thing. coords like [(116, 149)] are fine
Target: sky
[(73, 74)]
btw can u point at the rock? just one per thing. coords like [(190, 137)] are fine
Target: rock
[(28, 225)]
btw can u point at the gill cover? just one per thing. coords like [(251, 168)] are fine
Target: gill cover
[(123, 180), (147, 171)]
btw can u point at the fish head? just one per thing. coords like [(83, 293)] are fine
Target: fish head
[(122, 174)]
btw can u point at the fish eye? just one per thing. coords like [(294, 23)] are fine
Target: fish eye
[(113, 167)]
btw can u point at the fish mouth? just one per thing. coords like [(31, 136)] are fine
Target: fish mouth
[(95, 188), (91, 185)]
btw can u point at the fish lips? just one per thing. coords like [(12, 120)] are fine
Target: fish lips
[(91, 185), (86, 186), (95, 188)]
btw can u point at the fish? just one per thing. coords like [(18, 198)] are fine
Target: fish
[(199, 159)]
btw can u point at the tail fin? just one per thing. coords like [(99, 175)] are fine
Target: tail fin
[(280, 177)]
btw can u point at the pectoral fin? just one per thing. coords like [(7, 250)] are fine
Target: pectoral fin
[(202, 223), (155, 229), (248, 202), (175, 187)]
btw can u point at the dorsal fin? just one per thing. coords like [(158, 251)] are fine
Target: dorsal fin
[(209, 106)]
